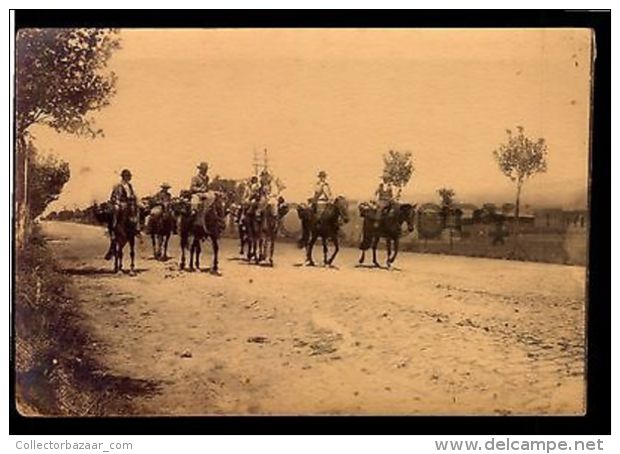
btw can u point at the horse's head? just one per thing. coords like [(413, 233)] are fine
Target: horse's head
[(143, 211), (407, 214), (220, 203), (303, 211), (148, 201), (283, 207), (364, 208), (102, 212), (179, 206), (342, 206)]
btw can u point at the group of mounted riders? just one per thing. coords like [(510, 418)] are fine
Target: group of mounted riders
[(200, 212)]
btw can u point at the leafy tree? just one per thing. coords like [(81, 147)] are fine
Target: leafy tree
[(48, 175), (519, 158), (398, 168), (447, 196), (232, 188), (60, 78)]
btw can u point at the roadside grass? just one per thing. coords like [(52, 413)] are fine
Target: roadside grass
[(56, 371)]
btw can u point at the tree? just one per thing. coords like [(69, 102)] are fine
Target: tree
[(48, 175), (60, 79), (232, 188), (398, 168), (519, 159), (447, 196)]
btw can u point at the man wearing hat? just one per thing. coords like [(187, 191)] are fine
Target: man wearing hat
[(122, 194), (163, 197), (384, 193), (384, 198), (266, 180), (322, 193), (199, 187), (251, 196), (250, 191)]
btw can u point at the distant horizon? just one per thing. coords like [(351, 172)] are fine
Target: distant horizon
[(479, 202), (337, 100)]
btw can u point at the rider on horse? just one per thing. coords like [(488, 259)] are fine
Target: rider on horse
[(123, 194), (266, 185), (251, 190), (160, 203), (163, 197), (322, 194), (384, 197), (198, 189)]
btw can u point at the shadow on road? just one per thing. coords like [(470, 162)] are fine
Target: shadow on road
[(92, 271)]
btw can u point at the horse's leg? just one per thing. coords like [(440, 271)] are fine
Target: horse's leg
[(114, 249), (160, 245), (154, 243), (262, 242), (313, 238), (260, 253), (336, 249), (272, 247), (365, 242), (192, 251), (119, 256), (132, 255), (183, 247), (324, 241), (198, 251), (375, 243), (241, 240), (388, 242), (396, 241), (216, 248), (166, 239)]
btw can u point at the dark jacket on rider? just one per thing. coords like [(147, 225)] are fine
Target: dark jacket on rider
[(199, 184), (162, 198), (122, 193)]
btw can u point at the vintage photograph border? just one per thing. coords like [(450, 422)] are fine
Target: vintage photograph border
[(597, 419)]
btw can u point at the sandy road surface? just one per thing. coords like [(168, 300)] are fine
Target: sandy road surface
[(441, 335)]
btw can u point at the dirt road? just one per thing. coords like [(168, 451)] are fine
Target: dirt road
[(439, 335)]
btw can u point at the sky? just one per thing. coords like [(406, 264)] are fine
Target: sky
[(337, 100)]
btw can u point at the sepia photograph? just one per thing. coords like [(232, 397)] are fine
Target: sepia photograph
[(302, 221)]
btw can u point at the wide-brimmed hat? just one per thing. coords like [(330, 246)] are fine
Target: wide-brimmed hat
[(203, 165), (322, 173), (165, 185), (126, 172)]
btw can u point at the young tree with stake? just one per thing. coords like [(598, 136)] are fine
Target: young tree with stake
[(398, 168), (520, 158)]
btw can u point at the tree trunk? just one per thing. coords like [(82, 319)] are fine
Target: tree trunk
[(517, 227), (517, 204), (21, 192)]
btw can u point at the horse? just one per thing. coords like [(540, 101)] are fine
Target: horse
[(161, 225), (238, 215), (388, 226), (266, 223), (193, 230), (326, 226), (124, 232)]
